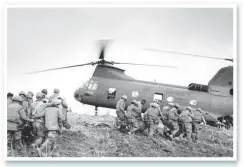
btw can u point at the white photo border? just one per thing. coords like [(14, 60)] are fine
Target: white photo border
[(146, 5)]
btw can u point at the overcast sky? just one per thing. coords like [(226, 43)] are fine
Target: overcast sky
[(40, 38)]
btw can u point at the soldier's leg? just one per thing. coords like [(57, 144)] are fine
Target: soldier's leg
[(188, 131), (40, 134), (151, 128), (193, 135), (175, 128), (196, 131)]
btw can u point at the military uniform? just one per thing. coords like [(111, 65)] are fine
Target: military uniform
[(165, 111), (51, 115), (134, 116), (173, 118), (120, 107), (186, 119), (152, 117), (197, 119), (38, 125), (16, 120)]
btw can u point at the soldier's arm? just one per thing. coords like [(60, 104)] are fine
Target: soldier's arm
[(64, 104), (39, 114), (44, 106), (61, 116), (176, 113), (23, 116), (121, 106), (203, 119)]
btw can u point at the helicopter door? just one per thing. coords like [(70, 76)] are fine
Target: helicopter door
[(111, 94), (159, 97)]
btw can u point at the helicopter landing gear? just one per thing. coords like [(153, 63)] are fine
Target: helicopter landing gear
[(96, 113)]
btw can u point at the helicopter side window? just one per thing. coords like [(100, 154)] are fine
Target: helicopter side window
[(111, 94), (159, 97)]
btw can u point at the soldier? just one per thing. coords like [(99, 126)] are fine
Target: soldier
[(196, 121), (52, 115), (9, 98), (120, 111), (166, 109), (133, 115), (64, 107), (16, 121), (29, 99), (152, 119), (55, 94), (22, 94), (141, 104), (32, 95), (173, 118), (186, 119), (44, 91), (38, 125)]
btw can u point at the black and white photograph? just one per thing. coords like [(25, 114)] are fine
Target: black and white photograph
[(147, 83)]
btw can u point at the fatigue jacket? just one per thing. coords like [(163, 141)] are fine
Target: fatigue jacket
[(173, 114), (35, 109), (186, 116), (165, 110), (16, 116), (55, 95), (120, 105), (197, 116), (133, 112), (51, 115)]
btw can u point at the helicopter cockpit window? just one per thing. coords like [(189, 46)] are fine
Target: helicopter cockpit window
[(111, 94), (92, 85)]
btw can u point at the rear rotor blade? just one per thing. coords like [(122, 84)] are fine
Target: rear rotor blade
[(61, 68), (188, 54), (154, 65)]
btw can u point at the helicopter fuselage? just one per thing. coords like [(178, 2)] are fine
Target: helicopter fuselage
[(105, 92)]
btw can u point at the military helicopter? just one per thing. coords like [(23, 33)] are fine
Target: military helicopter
[(108, 83)]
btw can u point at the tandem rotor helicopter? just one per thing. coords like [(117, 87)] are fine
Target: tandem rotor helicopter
[(108, 83)]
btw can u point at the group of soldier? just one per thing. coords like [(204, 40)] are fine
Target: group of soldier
[(36, 123), (171, 120)]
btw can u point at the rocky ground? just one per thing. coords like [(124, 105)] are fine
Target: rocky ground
[(92, 136)]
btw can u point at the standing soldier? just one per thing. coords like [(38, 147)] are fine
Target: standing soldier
[(165, 110), (152, 119), (173, 118), (186, 119), (133, 115), (44, 91), (51, 115), (9, 98), (197, 120), (16, 120), (31, 94), (22, 94), (55, 94), (64, 107), (38, 125), (120, 111)]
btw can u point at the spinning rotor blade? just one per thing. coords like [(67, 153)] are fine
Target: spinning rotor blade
[(103, 45), (154, 65), (194, 55), (61, 68)]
